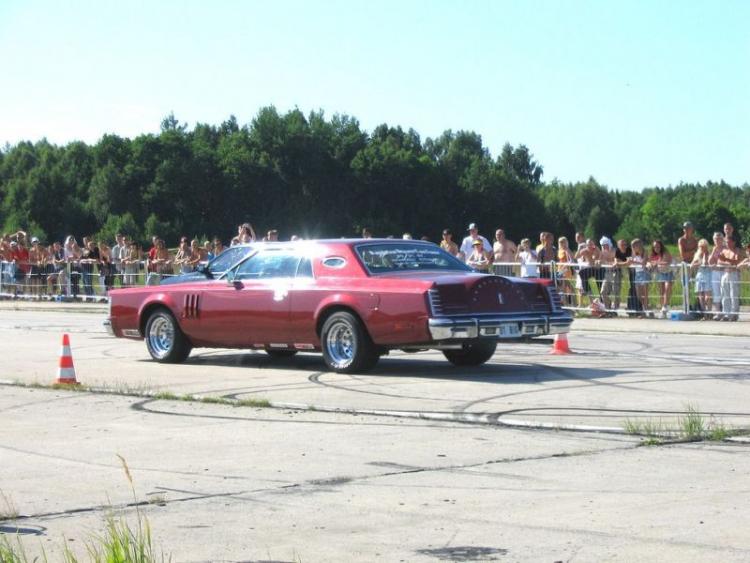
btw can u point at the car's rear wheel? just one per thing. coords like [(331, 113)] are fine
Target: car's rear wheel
[(347, 347), (472, 353), (164, 339), (280, 353)]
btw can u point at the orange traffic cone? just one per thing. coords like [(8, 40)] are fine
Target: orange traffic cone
[(560, 345), (66, 373)]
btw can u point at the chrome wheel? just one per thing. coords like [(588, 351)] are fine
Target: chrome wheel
[(340, 344), (160, 337)]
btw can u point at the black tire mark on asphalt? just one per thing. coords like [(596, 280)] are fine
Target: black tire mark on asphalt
[(141, 406)]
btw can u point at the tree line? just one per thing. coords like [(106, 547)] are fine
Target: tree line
[(319, 177)]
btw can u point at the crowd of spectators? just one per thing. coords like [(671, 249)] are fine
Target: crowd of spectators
[(587, 273)]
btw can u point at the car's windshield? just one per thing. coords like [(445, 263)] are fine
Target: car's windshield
[(224, 261), (406, 256)]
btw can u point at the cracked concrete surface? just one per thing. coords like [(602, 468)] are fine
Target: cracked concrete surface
[(239, 484), (244, 484)]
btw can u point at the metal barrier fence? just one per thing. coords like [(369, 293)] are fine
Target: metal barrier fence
[(677, 291), (707, 292), (75, 281)]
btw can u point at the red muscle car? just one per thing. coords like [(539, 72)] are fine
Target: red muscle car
[(354, 300)]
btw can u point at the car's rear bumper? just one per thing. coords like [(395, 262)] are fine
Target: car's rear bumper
[(500, 327)]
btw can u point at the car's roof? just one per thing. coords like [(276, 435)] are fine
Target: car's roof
[(346, 241)]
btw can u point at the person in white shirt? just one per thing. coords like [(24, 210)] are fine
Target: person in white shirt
[(528, 260), (468, 242)]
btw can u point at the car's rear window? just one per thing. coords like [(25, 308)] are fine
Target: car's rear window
[(405, 256)]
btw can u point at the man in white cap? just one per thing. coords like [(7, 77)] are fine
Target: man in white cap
[(468, 242)]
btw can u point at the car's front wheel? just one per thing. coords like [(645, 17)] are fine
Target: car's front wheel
[(472, 353), (164, 339), (347, 347)]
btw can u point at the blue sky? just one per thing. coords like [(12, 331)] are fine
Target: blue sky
[(633, 93)]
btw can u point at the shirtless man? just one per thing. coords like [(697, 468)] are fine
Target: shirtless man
[(504, 251), (687, 243)]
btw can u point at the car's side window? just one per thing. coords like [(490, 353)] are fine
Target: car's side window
[(227, 259), (266, 265), (304, 270)]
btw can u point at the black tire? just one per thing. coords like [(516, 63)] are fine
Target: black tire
[(280, 353), (472, 354), (165, 340), (347, 348)]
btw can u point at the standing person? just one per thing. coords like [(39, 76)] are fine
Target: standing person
[(564, 271), (728, 259), (687, 244), (199, 255), (660, 262), (56, 270), (106, 268), (528, 259), (117, 252), (73, 257), (208, 248), (546, 252), (245, 234), (641, 274), (272, 235), (160, 265), (504, 251), (130, 263), (588, 257), (366, 233), (479, 259), (716, 274), (20, 255), (183, 258), (730, 233), (37, 264), (622, 267), (467, 244), (218, 246), (607, 268), (700, 264), (447, 243), (89, 258)]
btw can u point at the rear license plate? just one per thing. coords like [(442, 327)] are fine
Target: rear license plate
[(509, 331)]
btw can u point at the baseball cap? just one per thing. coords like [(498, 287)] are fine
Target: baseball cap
[(687, 225), (34, 239), (476, 242), (472, 226)]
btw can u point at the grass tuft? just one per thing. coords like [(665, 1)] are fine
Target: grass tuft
[(693, 426), (8, 509)]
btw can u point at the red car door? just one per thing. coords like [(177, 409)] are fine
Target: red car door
[(252, 308)]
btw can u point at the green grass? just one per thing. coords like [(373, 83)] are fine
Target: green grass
[(692, 426), (8, 509)]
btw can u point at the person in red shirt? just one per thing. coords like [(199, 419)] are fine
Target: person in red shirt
[(20, 257)]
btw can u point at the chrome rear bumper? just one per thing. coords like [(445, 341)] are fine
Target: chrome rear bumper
[(502, 328)]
